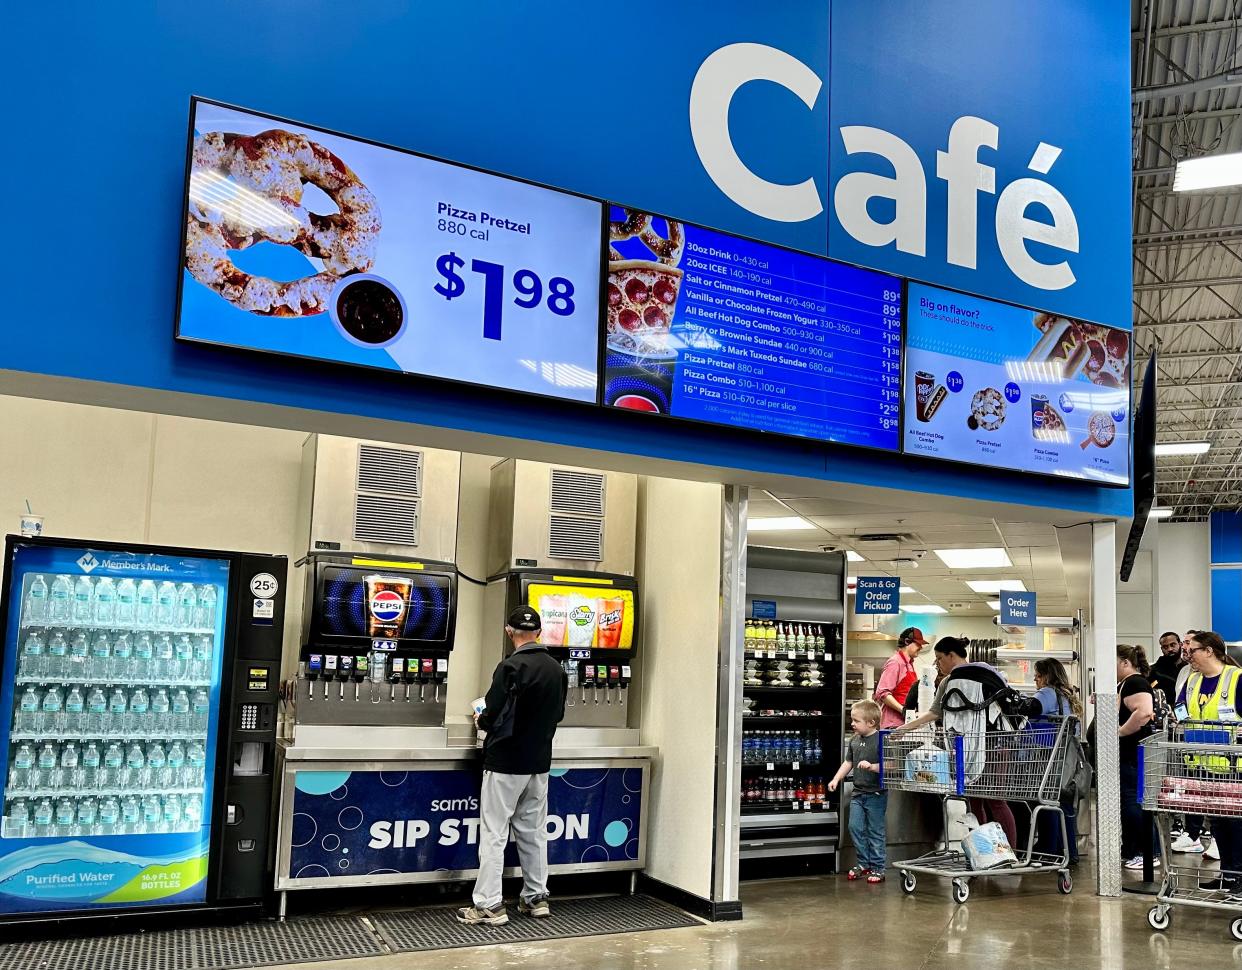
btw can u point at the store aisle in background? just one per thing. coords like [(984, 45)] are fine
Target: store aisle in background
[(804, 924)]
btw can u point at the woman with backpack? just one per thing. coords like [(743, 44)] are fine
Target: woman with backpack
[(1057, 699)]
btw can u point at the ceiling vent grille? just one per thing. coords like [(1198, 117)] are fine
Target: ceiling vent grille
[(577, 539), (577, 493), (386, 503)]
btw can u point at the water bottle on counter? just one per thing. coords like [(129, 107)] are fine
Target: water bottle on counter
[(36, 601)]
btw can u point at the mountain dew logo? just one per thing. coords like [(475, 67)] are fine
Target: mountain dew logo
[(582, 616)]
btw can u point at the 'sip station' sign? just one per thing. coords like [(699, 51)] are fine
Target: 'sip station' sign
[(877, 594)]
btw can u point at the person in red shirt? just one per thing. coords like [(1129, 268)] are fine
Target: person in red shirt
[(898, 677)]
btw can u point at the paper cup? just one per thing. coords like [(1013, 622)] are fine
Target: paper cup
[(32, 525)]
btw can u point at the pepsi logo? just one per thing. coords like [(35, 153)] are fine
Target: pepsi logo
[(386, 605)]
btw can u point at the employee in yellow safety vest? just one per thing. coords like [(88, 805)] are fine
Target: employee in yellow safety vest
[(1211, 694)]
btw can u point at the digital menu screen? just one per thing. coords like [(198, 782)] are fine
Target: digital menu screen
[(299, 241), (993, 384), (712, 327)]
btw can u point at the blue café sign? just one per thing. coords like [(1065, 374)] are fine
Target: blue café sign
[(877, 594), (1017, 609)]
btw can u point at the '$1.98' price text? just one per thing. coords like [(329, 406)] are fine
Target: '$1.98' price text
[(530, 290)]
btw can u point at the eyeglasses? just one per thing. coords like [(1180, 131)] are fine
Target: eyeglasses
[(1196, 647)]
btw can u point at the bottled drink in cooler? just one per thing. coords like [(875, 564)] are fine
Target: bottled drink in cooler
[(122, 657), (45, 767), (17, 819), (36, 601), (109, 815), (91, 771), (201, 710), (193, 812), (165, 605), (65, 817), (180, 723), (57, 645), (126, 603), (57, 658), (83, 601), (175, 771), (157, 762), (29, 718), (75, 710), (20, 776), (79, 659), (159, 712), (101, 655), (34, 655), (144, 612), (172, 814), (114, 766), (53, 711), (139, 712), (60, 600), (163, 666), (117, 706), (205, 611), (62, 774), (88, 816), (131, 815), (196, 762), (151, 814), (187, 605), (44, 816), (202, 661), (144, 651), (105, 602), (135, 767), (183, 649)]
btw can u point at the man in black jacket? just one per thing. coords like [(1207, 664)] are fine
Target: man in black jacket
[(523, 707)]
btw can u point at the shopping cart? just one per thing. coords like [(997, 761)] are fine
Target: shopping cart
[(1196, 768), (1022, 765)]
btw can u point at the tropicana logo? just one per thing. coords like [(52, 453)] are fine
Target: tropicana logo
[(727, 69)]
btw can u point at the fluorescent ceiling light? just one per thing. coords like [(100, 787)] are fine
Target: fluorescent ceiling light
[(1182, 448), (923, 608), (1208, 172), (1160, 514), (780, 523), (994, 604), (852, 556), (908, 589), (996, 585), (974, 558)]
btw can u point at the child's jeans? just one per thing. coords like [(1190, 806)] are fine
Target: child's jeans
[(867, 828)]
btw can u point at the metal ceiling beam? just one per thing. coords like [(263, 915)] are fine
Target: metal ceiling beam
[(1167, 324), (1187, 284), (1216, 82), (1186, 243), (1185, 234), (1174, 356), (1196, 28), (1215, 114)]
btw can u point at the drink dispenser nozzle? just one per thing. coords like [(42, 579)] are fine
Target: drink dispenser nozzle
[(331, 670), (314, 668), (362, 670), (396, 673), (410, 676), (588, 680), (379, 672), (441, 675), (601, 680), (344, 672), (625, 681), (614, 681), (426, 673)]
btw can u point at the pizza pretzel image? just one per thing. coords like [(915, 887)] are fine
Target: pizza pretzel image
[(247, 189)]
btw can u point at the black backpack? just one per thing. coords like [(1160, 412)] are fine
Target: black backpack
[(1011, 705)]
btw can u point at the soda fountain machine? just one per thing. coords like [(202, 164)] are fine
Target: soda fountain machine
[(563, 542), (380, 589)]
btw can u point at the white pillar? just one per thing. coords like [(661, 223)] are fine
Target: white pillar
[(1101, 650)]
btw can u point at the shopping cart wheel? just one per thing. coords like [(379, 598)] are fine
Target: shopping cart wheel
[(1235, 929), (961, 890), (1065, 882), (1158, 918), (908, 882)]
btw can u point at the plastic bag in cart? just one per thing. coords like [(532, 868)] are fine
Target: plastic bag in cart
[(928, 765), (987, 848)]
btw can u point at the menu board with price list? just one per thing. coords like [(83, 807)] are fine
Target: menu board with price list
[(712, 327), (303, 242)]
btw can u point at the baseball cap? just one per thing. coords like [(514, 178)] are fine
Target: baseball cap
[(524, 618), (912, 634)]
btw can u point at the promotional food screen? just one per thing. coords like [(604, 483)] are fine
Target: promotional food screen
[(994, 384), (584, 616), (712, 327), (302, 242)]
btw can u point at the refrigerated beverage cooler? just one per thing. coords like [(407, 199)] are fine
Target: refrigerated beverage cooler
[(138, 692)]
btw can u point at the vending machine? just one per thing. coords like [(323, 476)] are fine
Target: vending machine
[(138, 693), (378, 634)]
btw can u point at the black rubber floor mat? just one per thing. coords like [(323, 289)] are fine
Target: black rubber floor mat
[(437, 929), (302, 940)]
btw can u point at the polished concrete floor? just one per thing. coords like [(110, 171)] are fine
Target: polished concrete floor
[(803, 924)]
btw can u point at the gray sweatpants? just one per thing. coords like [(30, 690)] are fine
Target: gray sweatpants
[(520, 801)]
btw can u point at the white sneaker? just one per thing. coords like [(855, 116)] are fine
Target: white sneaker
[(1137, 863), (1184, 843), (1212, 851)]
